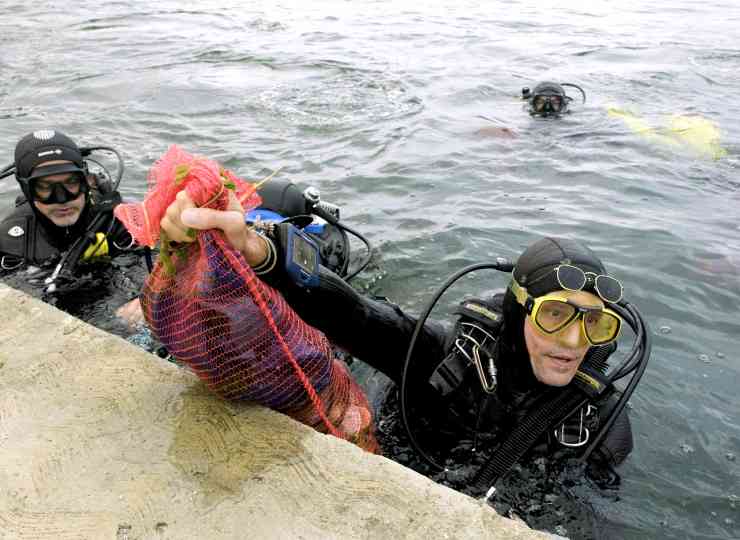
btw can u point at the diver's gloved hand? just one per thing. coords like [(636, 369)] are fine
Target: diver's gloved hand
[(182, 215)]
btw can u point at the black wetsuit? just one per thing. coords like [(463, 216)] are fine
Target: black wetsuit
[(378, 333), (28, 237)]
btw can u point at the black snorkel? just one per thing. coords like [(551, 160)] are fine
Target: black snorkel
[(552, 413), (7, 171)]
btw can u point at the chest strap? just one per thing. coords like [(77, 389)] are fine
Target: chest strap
[(555, 406)]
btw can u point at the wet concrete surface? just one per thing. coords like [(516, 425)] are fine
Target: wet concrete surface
[(99, 439)]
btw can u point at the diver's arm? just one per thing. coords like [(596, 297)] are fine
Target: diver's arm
[(375, 331)]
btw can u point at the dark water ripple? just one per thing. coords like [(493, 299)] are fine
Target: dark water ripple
[(377, 104)]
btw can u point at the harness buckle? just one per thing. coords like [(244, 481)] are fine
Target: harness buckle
[(575, 440), (5, 266), (487, 380)]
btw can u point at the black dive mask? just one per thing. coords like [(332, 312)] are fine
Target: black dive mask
[(548, 105), (38, 186), (48, 192)]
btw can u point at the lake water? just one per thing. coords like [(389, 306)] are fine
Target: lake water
[(376, 103)]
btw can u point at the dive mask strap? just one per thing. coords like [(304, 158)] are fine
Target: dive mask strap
[(521, 295)]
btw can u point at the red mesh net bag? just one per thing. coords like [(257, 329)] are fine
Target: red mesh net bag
[(206, 305)]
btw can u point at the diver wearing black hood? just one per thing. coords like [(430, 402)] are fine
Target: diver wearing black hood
[(528, 366), (61, 203), (549, 98), (484, 379)]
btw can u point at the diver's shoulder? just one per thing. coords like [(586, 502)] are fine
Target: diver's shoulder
[(13, 231), (21, 208)]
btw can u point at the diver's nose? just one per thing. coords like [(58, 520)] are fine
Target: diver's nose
[(572, 336)]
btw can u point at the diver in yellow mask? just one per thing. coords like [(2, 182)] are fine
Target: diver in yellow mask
[(530, 366)]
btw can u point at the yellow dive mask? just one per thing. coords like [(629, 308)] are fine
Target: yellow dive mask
[(555, 311)]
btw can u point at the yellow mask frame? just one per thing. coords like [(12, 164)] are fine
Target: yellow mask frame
[(609, 325)]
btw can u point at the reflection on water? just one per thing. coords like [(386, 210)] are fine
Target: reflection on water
[(376, 103)]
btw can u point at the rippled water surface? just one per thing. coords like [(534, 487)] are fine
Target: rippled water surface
[(376, 103)]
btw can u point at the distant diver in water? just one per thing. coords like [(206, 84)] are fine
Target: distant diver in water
[(547, 100), (694, 132)]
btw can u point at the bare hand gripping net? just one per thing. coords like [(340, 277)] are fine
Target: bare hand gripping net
[(206, 305)]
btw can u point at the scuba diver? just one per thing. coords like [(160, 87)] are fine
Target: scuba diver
[(64, 216), (62, 205), (522, 374), (547, 100)]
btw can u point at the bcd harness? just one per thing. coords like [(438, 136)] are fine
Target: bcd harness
[(475, 346), (22, 241)]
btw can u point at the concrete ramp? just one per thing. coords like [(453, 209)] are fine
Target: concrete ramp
[(101, 440)]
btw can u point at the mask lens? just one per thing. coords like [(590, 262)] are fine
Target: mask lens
[(571, 278), (538, 104), (45, 190), (42, 189), (556, 103), (554, 315), (72, 184), (601, 326), (609, 289)]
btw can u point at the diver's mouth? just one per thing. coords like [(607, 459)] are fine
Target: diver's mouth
[(562, 358), (64, 212)]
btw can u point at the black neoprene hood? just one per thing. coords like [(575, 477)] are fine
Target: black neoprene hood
[(548, 88), (535, 267), (43, 146)]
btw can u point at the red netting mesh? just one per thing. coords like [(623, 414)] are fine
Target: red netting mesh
[(206, 305)]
